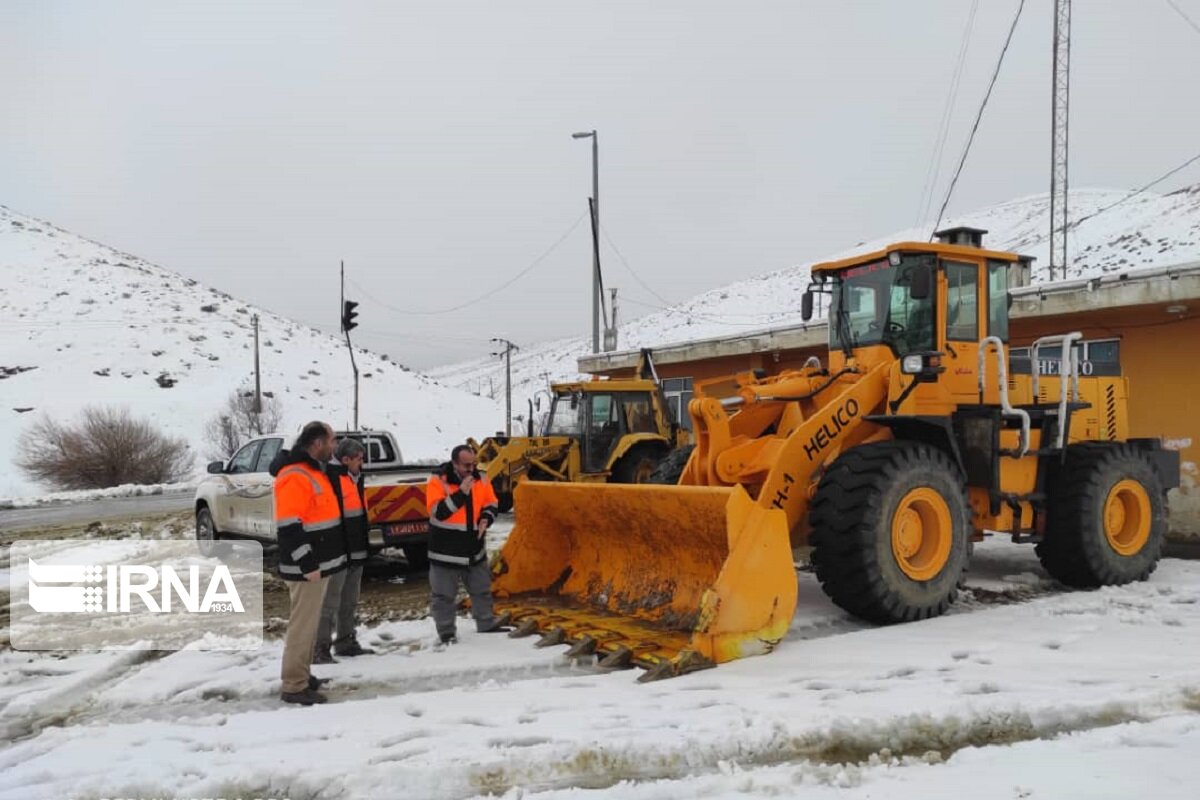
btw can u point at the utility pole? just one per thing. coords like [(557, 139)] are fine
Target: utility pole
[(610, 333), (1060, 97), (596, 225), (257, 377), (506, 354)]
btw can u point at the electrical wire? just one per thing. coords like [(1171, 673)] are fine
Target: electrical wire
[(1186, 18), (933, 172), (978, 118), (1135, 192), (369, 295)]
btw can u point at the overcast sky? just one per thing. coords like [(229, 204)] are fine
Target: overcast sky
[(253, 145)]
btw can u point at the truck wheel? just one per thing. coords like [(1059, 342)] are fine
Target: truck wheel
[(637, 465), (891, 530), (670, 469), (206, 531), (417, 556), (1106, 517)]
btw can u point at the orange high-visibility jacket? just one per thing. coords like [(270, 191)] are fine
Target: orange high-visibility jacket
[(454, 517), (308, 520), (354, 515)]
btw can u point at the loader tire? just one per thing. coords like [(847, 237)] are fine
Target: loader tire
[(891, 531), (1106, 517), (670, 469), (637, 465)]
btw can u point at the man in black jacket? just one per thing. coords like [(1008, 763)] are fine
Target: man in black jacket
[(341, 598)]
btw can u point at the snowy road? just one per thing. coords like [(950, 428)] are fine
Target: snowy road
[(14, 519), (1024, 691)]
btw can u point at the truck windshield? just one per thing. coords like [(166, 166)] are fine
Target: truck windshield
[(871, 304), (566, 416)]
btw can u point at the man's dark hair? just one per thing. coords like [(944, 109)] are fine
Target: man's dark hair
[(456, 451), (311, 433)]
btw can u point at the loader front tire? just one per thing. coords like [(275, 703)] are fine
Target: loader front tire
[(891, 531), (637, 465), (1107, 517)]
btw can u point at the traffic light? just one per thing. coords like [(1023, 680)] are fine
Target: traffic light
[(348, 315)]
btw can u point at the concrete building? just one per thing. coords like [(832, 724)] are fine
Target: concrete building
[(1144, 324)]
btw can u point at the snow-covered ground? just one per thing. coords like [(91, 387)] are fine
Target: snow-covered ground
[(82, 323), (1149, 230), (1023, 691)]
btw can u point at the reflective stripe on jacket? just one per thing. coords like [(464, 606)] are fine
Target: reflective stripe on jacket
[(454, 517), (354, 517), (308, 521)]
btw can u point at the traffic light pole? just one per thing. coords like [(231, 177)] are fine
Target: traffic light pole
[(348, 324)]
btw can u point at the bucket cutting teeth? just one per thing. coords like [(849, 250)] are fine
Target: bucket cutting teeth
[(527, 627), (621, 658), (552, 637), (584, 647)]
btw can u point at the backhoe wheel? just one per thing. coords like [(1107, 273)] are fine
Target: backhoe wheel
[(637, 465), (1107, 516), (504, 501), (670, 469), (891, 531)]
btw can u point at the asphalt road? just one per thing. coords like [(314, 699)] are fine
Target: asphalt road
[(94, 510)]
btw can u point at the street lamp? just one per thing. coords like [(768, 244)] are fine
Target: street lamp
[(595, 250)]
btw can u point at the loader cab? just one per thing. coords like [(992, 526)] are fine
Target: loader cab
[(926, 305), (598, 420)]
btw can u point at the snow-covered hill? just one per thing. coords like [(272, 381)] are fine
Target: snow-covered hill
[(1147, 230), (82, 323)]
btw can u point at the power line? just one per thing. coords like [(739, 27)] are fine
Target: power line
[(370, 296), (1137, 191), (933, 172), (978, 118), (1181, 13)]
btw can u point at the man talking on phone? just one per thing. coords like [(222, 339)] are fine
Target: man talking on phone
[(462, 506)]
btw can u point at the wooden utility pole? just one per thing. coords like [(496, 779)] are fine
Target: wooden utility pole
[(506, 354), (257, 375)]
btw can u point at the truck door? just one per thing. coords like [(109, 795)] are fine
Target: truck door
[(259, 497), (239, 473)]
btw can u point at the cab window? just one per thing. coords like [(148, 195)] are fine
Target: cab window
[(270, 449), (962, 302)]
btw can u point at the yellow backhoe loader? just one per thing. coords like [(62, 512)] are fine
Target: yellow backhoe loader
[(911, 442), (599, 431)]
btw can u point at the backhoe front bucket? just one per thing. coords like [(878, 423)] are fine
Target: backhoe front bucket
[(671, 578)]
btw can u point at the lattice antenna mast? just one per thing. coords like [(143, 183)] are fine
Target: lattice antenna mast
[(1059, 116)]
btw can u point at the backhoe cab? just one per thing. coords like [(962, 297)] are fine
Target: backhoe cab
[(912, 441), (600, 431)]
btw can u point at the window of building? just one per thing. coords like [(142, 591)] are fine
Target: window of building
[(678, 393), (1100, 357)]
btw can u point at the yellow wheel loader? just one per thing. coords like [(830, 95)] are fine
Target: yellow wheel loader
[(599, 431), (910, 443)]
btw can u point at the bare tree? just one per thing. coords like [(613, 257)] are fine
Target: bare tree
[(105, 447), (238, 421)]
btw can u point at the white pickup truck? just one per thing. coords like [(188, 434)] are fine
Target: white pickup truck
[(236, 498)]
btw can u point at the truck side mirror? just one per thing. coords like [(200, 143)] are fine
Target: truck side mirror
[(920, 282), (216, 467), (806, 305)]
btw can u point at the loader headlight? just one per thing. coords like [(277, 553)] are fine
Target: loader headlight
[(913, 364), (925, 366)]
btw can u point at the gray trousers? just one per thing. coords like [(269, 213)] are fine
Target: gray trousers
[(338, 610), (443, 589)]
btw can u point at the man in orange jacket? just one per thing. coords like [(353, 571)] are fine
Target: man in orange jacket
[(312, 547), (462, 506)]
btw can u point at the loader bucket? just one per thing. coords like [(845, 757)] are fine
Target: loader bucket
[(670, 578)]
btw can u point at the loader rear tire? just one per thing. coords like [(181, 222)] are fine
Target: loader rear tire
[(891, 531), (1107, 517)]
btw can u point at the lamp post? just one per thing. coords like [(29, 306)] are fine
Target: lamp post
[(595, 254)]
